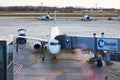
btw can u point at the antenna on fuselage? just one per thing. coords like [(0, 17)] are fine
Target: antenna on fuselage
[(55, 19)]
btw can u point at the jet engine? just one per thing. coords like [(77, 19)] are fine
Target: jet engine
[(37, 45), (86, 18)]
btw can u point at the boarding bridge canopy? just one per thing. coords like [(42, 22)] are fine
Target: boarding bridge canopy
[(90, 43), (97, 43)]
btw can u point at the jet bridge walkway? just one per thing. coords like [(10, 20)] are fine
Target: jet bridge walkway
[(97, 45)]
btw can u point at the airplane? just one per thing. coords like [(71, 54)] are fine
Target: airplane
[(53, 44), (45, 18), (86, 18), (117, 18)]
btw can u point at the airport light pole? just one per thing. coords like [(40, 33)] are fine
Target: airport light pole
[(41, 7), (96, 9), (96, 5)]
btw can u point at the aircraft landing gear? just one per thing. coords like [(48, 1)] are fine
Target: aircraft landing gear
[(54, 57), (44, 46), (99, 63)]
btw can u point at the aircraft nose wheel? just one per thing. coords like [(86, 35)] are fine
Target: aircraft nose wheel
[(54, 57), (99, 63)]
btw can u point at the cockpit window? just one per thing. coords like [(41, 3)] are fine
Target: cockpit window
[(51, 43), (55, 43), (59, 43)]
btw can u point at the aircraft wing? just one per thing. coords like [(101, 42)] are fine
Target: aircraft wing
[(32, 38)]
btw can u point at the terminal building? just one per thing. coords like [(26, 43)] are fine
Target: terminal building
[(6, 58)]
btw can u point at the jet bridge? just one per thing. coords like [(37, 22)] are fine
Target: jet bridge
[(72, 42), (97, 45)]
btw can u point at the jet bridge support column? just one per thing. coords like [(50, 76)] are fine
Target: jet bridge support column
[(97, 53), (97, 56), (94, 50)]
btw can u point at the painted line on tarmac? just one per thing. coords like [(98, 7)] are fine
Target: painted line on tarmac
[(10, 64), (92, 74), (51, 73), (61, 70), (88, 69), (19, 68)]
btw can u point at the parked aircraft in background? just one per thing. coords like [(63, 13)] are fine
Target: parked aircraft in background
[(86, 18), (116, 18), (45, 18)]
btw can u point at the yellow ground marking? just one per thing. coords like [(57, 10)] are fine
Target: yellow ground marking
[(61, 70), (34, 59)]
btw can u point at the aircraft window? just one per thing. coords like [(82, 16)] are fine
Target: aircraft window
[(58, 43), (52, 43)]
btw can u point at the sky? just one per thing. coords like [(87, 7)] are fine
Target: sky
[(64, 3)]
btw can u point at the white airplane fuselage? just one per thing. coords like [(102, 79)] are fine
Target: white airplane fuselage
[(53, 44)]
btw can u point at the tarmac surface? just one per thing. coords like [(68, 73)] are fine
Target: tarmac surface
[(70, 64)]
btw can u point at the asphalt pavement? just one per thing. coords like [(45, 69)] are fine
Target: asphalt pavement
[(69, 65)]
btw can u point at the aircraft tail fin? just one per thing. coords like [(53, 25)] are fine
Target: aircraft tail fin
[(55, 19)]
